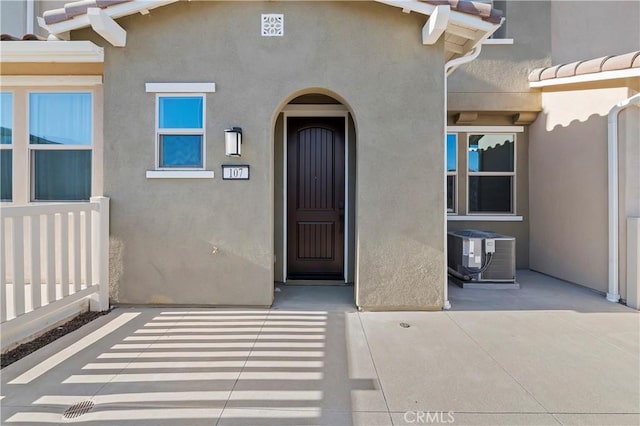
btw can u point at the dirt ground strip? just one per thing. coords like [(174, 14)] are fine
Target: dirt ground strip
[(26, 348)]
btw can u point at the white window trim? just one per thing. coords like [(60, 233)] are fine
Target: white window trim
[(498, 41), (485, 129), (180, 174), (455, 177), (191, 88), (485, 218), (9, 147), (32, 148), (159, 132), (512, 173), (22, 174)]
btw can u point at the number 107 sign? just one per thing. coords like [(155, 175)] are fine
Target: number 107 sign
[(235, 172)]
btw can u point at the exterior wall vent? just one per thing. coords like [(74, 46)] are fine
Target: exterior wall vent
[(272, 25)]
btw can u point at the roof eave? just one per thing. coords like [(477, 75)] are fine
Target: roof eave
[(114, 12), (587, 78), (80, 51), (478, 28)]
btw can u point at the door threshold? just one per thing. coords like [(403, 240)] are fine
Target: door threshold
[(316, 282)]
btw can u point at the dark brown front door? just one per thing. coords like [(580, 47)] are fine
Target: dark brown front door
[(315, 198)]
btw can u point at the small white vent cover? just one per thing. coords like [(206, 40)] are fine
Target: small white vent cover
[(272, 25)]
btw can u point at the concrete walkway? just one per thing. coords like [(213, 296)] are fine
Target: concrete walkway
[(550, 353)]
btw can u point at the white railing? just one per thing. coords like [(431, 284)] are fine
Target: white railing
[(51, 255)]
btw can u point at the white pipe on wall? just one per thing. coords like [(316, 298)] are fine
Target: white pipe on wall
[(613, 295), (30, 16), (449, 67)]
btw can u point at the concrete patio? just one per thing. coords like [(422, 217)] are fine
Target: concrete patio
[(550, 353)]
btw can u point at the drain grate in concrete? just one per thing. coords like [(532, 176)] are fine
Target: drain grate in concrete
[(77, 410)]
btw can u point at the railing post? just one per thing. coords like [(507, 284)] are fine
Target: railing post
[(100, 253), (18, 266), (3, 271)]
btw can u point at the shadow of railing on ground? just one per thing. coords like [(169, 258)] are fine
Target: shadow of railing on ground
[(214, 366)]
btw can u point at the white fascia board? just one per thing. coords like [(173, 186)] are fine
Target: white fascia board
[(114, 12), (410, 5), (587, 78), (487, 129), (50, 51), (436, 24), (106, 27), (180, 87), (457, 18)]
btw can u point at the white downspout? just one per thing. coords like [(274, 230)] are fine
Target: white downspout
[(30, 16), (449, 67), (613, 295)]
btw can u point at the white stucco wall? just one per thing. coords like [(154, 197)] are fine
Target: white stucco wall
[(568, 184)]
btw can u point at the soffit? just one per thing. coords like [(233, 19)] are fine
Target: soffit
[(470, 22)]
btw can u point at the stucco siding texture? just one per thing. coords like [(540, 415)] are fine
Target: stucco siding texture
[(368, 54), (496, 81), (13, 15), (568, 186), (597, 28)]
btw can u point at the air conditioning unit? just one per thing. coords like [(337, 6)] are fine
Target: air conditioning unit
[(481, 256)]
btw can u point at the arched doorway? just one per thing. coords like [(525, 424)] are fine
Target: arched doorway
[(314, 239)]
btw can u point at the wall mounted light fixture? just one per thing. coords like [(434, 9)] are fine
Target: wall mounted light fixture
[(233, 141)]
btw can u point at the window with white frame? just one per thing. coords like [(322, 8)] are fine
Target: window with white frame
[(6, 146), (180, 131), (491, 160), (60, 145), (452, 171)]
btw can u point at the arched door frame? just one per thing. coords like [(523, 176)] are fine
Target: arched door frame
[(317, 110)]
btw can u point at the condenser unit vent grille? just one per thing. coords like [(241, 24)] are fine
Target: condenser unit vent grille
[(503, 262)]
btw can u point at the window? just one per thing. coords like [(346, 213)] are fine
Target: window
[(491, 173), (6, 146), (452, 160), (180, 132), (60, 144)]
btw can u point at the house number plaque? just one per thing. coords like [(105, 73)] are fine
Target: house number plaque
[(235, 172)]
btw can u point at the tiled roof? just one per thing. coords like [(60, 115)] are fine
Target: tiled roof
[(483, 10), (605, 63), (9, 37), (76, 8)]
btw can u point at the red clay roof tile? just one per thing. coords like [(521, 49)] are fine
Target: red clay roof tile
[(26, 37), (604, 63), (76, 8), (484, 10), (620, 62), (591, 66)]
